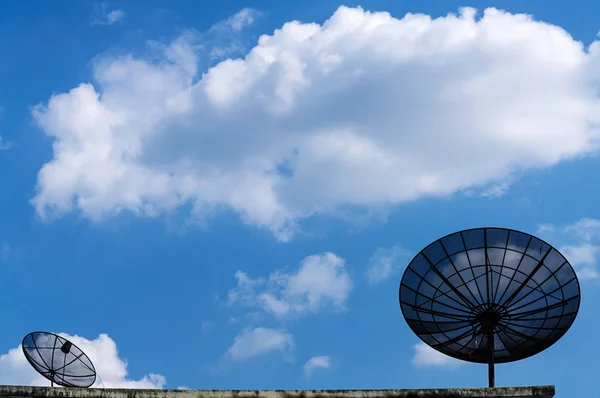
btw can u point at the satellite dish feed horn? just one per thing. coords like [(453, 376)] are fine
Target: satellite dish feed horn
[(58, 360), (489, 295)]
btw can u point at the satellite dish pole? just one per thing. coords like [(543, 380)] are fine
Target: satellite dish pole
[(492, 318), (491, 373)]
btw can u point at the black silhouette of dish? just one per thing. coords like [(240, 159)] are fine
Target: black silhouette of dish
[(489, 295), (58, 360)]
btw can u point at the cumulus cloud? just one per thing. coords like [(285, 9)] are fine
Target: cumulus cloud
[(385, 262), (361, 111), (426, 356), (318, 362), (258, 341), (102, 351), (321, 281), (580, 244)]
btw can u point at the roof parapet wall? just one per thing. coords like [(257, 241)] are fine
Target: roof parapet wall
[(501, 392)]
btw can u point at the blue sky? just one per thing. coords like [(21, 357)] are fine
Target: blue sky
[(200, 205)]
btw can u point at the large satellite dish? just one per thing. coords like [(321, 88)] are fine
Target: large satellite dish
[(58, 360), (489, 295)]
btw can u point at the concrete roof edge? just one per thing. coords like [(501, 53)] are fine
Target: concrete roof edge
[(48, 392)]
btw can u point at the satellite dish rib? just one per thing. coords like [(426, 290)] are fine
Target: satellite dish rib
[(489, 295), (58, 360)]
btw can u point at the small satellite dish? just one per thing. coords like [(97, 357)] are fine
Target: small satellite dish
[(489, 295), (58, 360)]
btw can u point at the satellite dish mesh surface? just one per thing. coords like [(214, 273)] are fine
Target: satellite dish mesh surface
[(58, 360), (489, 295)]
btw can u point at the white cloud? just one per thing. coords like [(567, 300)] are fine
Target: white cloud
[(225, 38), (15, 370), (318, 362), (583, 254), (240, 20), (586, 228), (103, 17), (580, 245), (496, 190), (363, 110), (545, 229), (385, 262), (258, 341), (426, 356), (114, 16), (322, 281), (588, 273)]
